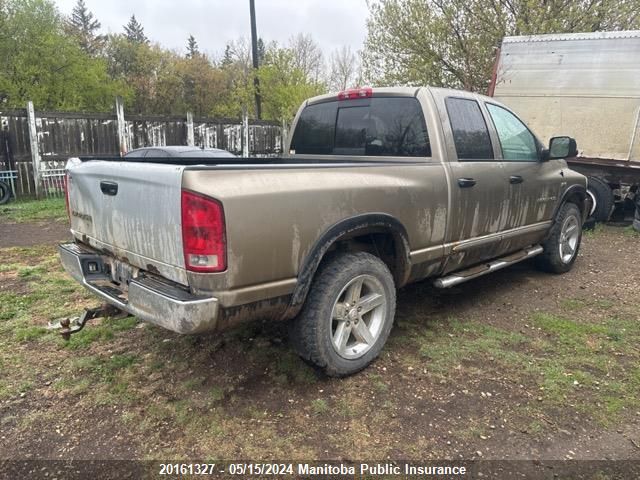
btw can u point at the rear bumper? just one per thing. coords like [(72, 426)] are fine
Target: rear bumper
[(154, 301)]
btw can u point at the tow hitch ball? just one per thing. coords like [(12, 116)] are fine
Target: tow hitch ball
[(71, 325)]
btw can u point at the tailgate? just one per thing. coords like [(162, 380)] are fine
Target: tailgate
[(131, 211)]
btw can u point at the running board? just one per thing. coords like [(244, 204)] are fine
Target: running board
[(479, 270)]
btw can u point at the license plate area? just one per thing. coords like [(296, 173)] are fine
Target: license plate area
[(121, 273)]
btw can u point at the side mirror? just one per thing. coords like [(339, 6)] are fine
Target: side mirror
[(561, 147)]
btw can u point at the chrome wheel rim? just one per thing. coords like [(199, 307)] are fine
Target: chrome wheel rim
[(594, 202), (358, 316), (569, 236)]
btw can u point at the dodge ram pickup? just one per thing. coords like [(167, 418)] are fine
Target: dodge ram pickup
[(377, 188)]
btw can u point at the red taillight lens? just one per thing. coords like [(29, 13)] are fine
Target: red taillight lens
[(203, 233), (354, 93), (67, 185)]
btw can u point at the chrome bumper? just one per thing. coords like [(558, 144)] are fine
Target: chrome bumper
[(149, 299)]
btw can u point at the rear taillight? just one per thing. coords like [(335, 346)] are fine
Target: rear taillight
[(203, 233), (354, 93), (67, 185)]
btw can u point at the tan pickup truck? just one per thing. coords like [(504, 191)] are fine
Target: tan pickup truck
[(379, 188)]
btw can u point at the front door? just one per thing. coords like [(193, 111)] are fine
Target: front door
[(534, 185)]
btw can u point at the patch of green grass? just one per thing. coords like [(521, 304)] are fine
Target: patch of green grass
[(216, 394), (105, 369), (596, 230), (10, 267), (31, 271), (34, 210), (604, 303), (573, 304), (535, 427), (13, 303), (345, 407), (319, 406), (27, 334), (448, 345), (193, 383), (631, 232), (74, 385), (291, 366), (378, 384), (581, 365), (103, 332)]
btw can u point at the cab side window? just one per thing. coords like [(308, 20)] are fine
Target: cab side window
[(517, 142), (470, 133)]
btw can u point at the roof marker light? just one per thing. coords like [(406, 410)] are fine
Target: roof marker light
[(355, 93)]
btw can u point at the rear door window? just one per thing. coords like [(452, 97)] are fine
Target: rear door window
[(381, 126), (470, 133)]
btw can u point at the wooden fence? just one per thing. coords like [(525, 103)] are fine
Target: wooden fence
[(34, 145)]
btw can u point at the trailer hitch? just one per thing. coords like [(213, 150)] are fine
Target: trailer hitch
[(70, 325)]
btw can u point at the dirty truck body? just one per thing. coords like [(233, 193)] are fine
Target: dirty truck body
[(586, 85), (379, 188)]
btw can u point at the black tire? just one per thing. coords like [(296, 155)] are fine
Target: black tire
[(5, 193), (551, 259), (636, 216), (312, 332), (602, 195)]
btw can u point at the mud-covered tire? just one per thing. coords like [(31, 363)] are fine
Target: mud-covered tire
[(5, 193), (329, 316), (563, 243), (602, 196)]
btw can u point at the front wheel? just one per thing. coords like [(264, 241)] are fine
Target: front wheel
[(562, 246), (348, 314)]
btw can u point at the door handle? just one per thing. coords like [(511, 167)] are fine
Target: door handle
[(513, 179), (109, 188), (466, 182)]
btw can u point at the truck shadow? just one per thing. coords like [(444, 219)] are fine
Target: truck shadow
[(254, 362)]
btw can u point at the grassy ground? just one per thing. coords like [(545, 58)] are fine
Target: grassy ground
[(518, 365), (34, 210)]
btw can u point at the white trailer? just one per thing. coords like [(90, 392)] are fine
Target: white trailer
[(586, 85)]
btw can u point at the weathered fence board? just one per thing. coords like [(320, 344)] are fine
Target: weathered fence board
[(61, 135)]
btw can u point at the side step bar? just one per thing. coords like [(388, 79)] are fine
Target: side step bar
[(479, 270)]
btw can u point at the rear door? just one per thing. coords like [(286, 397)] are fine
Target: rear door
[(479, 190)]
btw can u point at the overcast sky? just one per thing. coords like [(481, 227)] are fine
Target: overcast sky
[(213, 23)]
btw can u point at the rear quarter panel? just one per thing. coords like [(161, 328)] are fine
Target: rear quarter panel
[(275, 214)]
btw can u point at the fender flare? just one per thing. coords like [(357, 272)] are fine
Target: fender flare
[(365, 223), (572, 190)]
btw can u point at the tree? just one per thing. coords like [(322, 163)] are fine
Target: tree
[(192, 47), (283, 84), (452, 42), (39, 62), (85, 27), (134, 31), (307, 56), (345, 69)]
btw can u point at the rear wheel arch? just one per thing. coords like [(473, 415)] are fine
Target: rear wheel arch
[(377, 233)]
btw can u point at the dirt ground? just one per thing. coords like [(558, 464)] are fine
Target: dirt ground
[(30, 234), (515, 365)]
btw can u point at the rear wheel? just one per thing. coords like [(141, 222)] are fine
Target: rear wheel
[(348, 314), (601, 198), (562, 246)]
